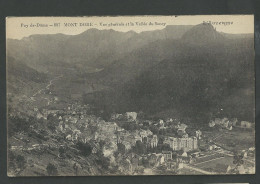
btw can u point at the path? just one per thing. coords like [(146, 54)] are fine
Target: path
[(197, 169), (47, 87)]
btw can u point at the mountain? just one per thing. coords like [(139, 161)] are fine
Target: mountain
[(20, 76), (90, 51), (195, 77), (202, 34), (185, 71)]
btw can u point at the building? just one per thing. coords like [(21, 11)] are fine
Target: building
[(184, 143), (233, 121), (167, 155), (246, 124), (69, 137), (182, 127), (117, 116), (145, 133), (160, 160), (131, 116), (185, 160), (152, 141), (211, 124), (198, 134)]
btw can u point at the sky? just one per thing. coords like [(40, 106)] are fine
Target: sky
[(19, 27)]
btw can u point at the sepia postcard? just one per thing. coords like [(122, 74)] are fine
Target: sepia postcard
[(130, 95)]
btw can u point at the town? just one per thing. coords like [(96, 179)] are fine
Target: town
[(133, 145)]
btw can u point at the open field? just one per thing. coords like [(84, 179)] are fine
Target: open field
[(234, 140), (211, 165)]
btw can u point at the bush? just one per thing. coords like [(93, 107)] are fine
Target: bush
[(51, 170), (20, 161), (84, 148), (121, 148)]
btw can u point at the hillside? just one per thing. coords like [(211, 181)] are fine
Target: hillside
[(193, 80), (186, 70), (90, 50), (21, 76)]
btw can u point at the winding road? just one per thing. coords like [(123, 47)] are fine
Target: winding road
[(47, 87)]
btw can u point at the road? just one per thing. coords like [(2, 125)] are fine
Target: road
[(197, 169), (208, 161), (47, 87)]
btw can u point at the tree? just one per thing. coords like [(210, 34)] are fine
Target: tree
[(61, 151), (140, 147), (84, 148), (51, 170), (11, 159), (238, 159), (20, 161), (121, 148), (154, 129), (75, 167)]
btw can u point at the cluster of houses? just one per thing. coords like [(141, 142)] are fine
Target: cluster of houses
[(229, 124), (129, 116), (131, 162), (183, 141), (129, 139)]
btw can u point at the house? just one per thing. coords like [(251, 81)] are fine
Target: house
[(115, 116), (161, 122), (182, 127), (244, 153), (152, 141), (233, 121), (198, 134), (241, 169), (184, 154), (182, 133), (40, 115), (225, 122), (160, 160), (229, 127), (169, 120), (94, 150), (61, 126), (167, 155), (75, 135), (128, 145), (211, 124), (210, 148), (195, 154), (145, 133), (223, 168), (246, 124), (179, 165), (171, 164), (251, 149), (69, 137), (185, 160), (131, 116), (222, 122)]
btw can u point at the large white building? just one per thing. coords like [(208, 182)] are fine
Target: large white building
[(184, 143)]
